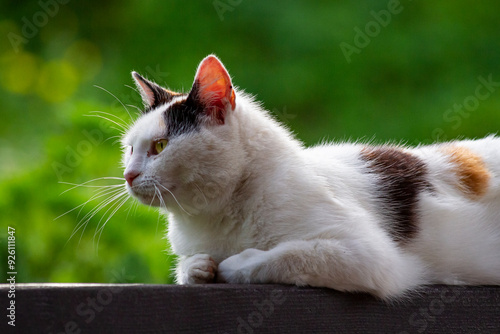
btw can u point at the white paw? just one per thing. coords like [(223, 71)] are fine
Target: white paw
[(241, 268), (198, 269)]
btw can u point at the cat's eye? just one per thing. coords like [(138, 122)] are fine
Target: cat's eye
[(160, 145)]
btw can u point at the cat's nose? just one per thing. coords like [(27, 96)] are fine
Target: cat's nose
[(130, 176)]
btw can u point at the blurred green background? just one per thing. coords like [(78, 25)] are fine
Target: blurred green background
[(329, 70)]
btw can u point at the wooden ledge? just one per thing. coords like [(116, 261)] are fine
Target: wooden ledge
[(225, 308)]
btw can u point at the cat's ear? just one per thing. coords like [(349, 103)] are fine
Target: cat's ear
[(152, 94), (212, 88)]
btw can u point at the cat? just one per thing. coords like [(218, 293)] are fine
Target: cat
[(248, 203)]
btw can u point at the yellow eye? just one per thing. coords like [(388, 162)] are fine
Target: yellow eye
[(160, 145)]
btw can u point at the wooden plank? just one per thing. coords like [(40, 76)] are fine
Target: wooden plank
[(224, 308)]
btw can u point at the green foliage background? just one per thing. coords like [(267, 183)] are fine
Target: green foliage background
[(401, 86)]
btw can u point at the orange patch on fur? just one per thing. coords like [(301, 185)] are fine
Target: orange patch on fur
[(473, 174)]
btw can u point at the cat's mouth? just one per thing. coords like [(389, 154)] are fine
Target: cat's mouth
[(150, 193)]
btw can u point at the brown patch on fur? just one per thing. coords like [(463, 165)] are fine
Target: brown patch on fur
[(471, 170), (402, 177)]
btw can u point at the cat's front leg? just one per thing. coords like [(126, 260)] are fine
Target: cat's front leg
[(243, 267), (342, 265), (196, 269)]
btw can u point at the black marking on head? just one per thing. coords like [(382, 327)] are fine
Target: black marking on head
[(402, 177), (153, 94), (183, 117), (162, 96)]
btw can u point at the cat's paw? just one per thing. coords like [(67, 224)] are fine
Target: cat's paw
[(198, 269), (241, 268)]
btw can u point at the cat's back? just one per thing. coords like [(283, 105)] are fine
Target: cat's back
[(459, 216), (469, 168), (466, 168), (445, 198)]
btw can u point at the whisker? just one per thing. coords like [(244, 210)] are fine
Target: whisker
[(117, 141), (133, 88), (136, 207), (162, 204), (115, 197), (107, 91), (135, 107), (153, 199), (91, 214), (93, 180), (117, 136), (117, 207), (133, 207), (123, 122), (120, 131), (131, 105), (204, 197), (76, 185), (179, 204), (123, 128), (100, 193), (85, 219)]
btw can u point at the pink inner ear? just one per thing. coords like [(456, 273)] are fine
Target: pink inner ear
[(216, 90), (146, 91)]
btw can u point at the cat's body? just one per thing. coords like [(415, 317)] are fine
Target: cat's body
[(249, 204)]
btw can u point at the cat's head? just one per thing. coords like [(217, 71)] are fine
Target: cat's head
[(182, 142)]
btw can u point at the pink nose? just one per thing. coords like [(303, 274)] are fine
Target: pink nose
[(130, 176)]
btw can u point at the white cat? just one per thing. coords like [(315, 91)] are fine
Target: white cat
[(249, 203)]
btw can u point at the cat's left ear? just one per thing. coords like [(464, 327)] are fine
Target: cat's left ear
[(152, 94), (213, 89)]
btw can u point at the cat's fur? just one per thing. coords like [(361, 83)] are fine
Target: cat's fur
[(248, 203)]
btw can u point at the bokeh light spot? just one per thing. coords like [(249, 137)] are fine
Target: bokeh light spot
[(10, 30), (18, 71), (58, 81), (86, 57)]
